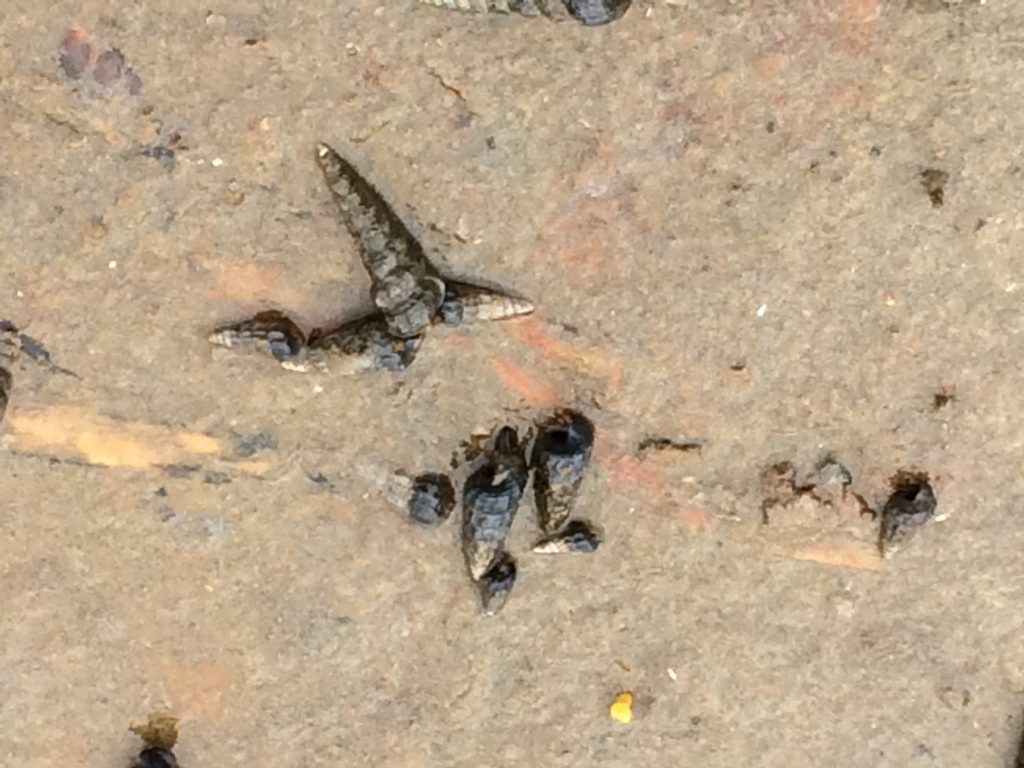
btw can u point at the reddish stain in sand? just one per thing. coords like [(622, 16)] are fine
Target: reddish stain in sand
[(243, 282), (535, 333), (77, 55), (536, 391), (628, 472), (696, 518), (198, 690), (624, 468)]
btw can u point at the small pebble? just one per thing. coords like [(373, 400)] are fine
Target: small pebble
[(621, 709), (96, 229)]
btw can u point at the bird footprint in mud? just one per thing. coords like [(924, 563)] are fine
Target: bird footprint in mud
[(406, 288)]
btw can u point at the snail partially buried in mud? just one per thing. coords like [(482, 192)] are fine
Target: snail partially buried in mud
[(490, 499), (432, 499), (911, 504), (8, 354), (559, 459), (590, 13), (357, 346), (406, 288), (560, 456), (159, 735), (14, 344)]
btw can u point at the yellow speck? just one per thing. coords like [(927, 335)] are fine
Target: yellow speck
[(621, 709)]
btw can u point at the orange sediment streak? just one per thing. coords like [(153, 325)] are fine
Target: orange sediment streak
[(533, 332), (80, 434), (696, 518), (627, 470), (854, 555), (244, 283), (536, 392)]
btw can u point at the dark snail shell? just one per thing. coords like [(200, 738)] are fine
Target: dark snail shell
[(490, 499), (587, 12), (561, 455), (496, 584), (911, 505), (466, 303), (5, 391), (269, 333), (432, 500), (363, 344), (10, 347), (578, 537), (404, 284), (593, 13), (156, 757)]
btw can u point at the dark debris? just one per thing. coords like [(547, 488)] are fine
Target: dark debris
[(432, 500), (155, 757), (658, 443), (561, 455), (933, 180), (496, 583), (943, 397), (249, 445), (827, 482), (911, 505), (578, 537)]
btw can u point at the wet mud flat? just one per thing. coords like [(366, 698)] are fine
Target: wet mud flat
[(758, 238)]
